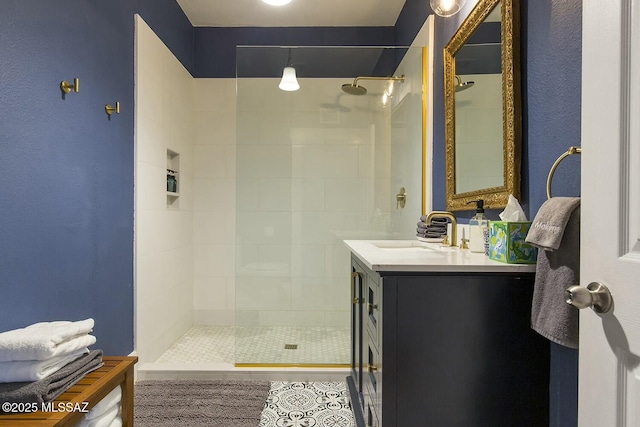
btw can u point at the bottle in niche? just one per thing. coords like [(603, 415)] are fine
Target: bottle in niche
[(172, 183), (477, 224)]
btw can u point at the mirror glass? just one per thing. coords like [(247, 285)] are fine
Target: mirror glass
[(482, 108)]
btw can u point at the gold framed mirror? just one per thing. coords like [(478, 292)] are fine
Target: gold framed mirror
[(483, 123)]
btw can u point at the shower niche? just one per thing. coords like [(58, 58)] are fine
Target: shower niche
[(173, 179)]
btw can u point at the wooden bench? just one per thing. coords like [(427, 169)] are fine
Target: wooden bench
[(117, 371)]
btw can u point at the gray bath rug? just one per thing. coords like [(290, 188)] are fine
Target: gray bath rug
[(199, 403)]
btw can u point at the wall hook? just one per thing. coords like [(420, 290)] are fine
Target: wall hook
[(110, 110), (68, 87)]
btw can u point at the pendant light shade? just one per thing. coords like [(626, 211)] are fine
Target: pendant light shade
[(446, 7), (289, 81)]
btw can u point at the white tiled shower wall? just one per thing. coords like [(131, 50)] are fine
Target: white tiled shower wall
[(406, 148), (329, 169), (163, 236), (184, 250), (214, 201), (307, 165)]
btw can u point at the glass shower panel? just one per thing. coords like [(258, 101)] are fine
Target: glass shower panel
[(310, 172)]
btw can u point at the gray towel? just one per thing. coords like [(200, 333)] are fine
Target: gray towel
[(49, 388), (556, 270), (437, 228), (430, 234), (431, 231), (423, 226), (435, 220), (549, 224)]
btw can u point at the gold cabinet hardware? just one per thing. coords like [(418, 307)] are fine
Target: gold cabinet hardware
[(110, 110), (372, 307), (67, 87), (372, 368), (401, 198), (355, 275)]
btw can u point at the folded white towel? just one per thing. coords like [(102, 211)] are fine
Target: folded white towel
[(44, 340), (34, 370), (117, 422), (104, 420), (109, 401)]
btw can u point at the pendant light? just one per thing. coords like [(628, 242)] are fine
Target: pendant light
[(446, 7), (289, 81)]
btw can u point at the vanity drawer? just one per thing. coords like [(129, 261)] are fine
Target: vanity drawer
[(371, 370), (372, 383), (372, 308)]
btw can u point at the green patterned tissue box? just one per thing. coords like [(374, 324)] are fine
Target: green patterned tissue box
[(506, 243)]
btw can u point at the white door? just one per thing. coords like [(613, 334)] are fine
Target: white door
[(609, 378)]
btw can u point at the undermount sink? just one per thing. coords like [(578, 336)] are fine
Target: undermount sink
[(403, 246)]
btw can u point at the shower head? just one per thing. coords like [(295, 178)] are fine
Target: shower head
[(460, 85), (355, 89)]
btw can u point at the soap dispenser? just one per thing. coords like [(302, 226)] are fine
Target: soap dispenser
[(477, 224)]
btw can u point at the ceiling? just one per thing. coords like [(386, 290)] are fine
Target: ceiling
[(298, 13)]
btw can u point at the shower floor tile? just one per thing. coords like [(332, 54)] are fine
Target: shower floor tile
[(261, 345), (202, 344), (320, 404)]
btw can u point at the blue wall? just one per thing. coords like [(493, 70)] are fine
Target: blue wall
[(551, 58), (552, 90), (66, 238), (215, 48)]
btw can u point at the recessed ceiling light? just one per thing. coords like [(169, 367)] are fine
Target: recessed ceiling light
[(277, 2)]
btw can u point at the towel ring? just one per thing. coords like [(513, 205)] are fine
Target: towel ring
[(569, 152)]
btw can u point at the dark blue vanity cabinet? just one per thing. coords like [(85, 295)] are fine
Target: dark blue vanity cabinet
[(358, 277), (446, 349)]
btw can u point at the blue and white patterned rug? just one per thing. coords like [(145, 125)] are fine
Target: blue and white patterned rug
[(307, 404)]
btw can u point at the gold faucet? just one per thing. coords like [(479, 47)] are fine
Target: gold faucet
[(454, 224)]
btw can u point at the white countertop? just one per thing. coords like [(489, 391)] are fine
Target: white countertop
[(416, 256)]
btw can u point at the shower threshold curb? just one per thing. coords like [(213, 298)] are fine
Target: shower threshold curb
[(207, 371)]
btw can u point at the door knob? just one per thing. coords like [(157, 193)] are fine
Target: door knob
[(595, 295), (401, 198)]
